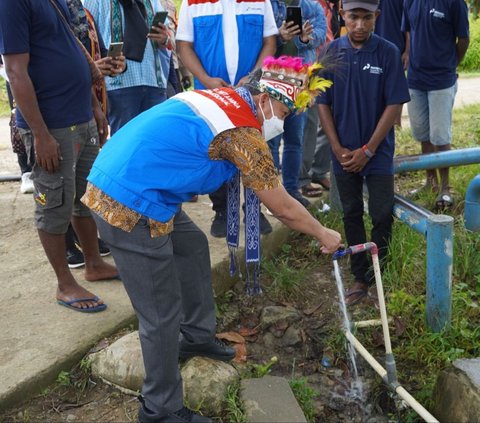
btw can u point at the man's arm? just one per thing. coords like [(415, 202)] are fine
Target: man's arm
[(290, 212), (47, 149), (461, 47), (100, 118), (191, 61), (406, 52)]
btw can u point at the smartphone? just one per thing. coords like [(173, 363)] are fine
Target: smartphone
[(115, 49), (159, 18), (294, 14)]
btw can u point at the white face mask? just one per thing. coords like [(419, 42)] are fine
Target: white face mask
[(271, 127)]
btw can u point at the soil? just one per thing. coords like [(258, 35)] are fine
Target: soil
[(300, 348)]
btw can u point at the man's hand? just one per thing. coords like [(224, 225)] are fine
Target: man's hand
[(307, 32), (342, 154), (405, 60), (47, 152), (160, 35), (118, 65), (288, 30), (355, 161), (102, 123), (211, 83)]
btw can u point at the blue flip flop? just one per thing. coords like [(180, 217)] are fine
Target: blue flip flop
[(95, 309)]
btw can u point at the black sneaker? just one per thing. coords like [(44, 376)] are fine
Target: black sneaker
[(219, 225), (265, 227), (102, 247), (75, 258), (184, 415), (215, 349)]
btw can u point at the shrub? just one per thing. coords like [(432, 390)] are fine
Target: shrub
[(471, 62)]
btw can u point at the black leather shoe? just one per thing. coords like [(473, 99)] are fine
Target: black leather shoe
[(265, 227), (215, 349), (219, 225), (184, 415)]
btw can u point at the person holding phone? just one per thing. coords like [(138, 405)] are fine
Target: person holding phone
[(144, 82), (302, 29)]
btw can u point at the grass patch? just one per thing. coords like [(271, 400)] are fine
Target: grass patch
[(4, 106), (305, 395)]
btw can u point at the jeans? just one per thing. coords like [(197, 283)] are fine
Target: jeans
[(292, 151), (380, 209), (126, 103)]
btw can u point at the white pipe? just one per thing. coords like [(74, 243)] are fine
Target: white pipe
[(381, 303), (402, 392), (369, 323)]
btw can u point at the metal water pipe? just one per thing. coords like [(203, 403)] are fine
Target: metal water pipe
[(461, 157), (472, 205)]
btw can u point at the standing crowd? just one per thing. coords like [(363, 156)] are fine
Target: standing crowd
[(111, 143)]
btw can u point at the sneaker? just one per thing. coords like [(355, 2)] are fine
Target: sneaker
[(219, 225), (183, 415), (215, 349), (26, 186), (300, 198), (265, 227), (102, 247), (75, 258)]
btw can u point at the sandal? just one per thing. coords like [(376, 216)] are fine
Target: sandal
[(324, 182), (311, 191), (354, 296), (444, 201)]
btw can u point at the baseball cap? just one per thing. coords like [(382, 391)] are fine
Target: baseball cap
[(370, 5)]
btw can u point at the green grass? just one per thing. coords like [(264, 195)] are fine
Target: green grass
[(305, 395), (4, 106)]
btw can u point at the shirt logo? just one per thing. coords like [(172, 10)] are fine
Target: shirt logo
[(437, 14), (376, 70)]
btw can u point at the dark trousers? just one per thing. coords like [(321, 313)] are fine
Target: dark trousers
[(380, 209), (168, 280), (219, 199)]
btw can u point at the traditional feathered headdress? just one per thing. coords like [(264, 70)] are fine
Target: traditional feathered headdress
[(292, 82)]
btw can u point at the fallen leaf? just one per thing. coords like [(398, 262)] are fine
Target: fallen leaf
[(378, 340), (400, 326), (232, 337), (100, 346), (240, 353), (311, 310), (248, 331)]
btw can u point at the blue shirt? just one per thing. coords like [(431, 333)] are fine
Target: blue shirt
[(311, 11), (152, 71), (389, 23), (57, 66), (366, 81), (434, 27)]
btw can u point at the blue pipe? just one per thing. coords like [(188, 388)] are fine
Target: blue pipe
[(449, 158), (472, 205), (439, 271), (411, 214)]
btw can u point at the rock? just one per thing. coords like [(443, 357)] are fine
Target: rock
[(292, 337), (456, 395), (205, 384), (270, 399), (121, 363), (269, 341), (272, 315), (71, 418)]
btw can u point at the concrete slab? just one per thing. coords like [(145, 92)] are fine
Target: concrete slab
[(270, 399)]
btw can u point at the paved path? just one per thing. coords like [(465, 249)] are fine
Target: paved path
[(39, 338)]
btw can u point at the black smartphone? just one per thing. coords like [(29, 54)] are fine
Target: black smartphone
[(294, 14), (115, 49), (159, 18)]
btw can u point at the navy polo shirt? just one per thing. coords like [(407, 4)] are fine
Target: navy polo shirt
[(57, 67), (389, 23), (434, 27), (366, 81)]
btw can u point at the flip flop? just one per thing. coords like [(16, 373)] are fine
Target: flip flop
[(311, 191), (95, 309), (354, 296), (444, 201)]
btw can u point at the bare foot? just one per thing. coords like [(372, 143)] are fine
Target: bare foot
[(100, 271), (74, 291)]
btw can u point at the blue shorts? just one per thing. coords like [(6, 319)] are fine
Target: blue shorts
[(430, 114)]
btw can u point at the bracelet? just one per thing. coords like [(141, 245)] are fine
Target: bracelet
[(367, 152)]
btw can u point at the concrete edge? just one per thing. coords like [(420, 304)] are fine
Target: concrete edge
[(221, 281)]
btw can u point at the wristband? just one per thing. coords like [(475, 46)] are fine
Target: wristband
[(367, 152)]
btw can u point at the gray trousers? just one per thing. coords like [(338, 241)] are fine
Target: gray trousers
[(168, 280), (316, 150)]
